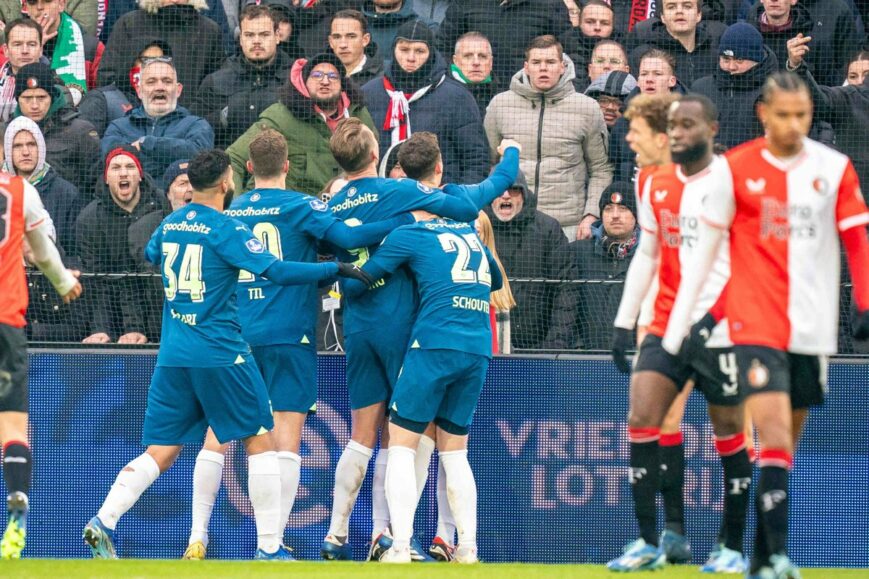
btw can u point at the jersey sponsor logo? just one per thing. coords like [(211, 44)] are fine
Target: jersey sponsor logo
[(755, 187), (424, 188), (352, 191), (255, 245), (758, 374), (187, 227), (670, 225), (660, 195), (190, 215), (255, 197), (251, 212), (780, 220), (351, 203), (318, 205)]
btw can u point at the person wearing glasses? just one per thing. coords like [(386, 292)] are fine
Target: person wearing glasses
[(607, 56), (682, 31), (744, 63), (591, 24), (159, 129)]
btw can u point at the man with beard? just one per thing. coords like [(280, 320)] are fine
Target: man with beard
[(671, 202), (415, 93), (232, 98), (159, 129), (309, 108)]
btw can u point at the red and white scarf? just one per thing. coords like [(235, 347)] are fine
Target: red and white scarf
[(398, 116)]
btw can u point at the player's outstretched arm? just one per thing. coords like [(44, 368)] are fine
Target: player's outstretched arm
[(355, 286), (499, 181), (346, 237), (693, 278), (47, 259), (298, 273)]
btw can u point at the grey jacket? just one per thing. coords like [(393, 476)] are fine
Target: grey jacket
[(564, 144)]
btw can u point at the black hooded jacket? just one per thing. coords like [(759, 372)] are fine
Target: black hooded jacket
[(735, 95), (690, 66), (801, 22), (533, 246)]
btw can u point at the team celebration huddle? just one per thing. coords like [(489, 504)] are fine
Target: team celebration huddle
[(672, 187)]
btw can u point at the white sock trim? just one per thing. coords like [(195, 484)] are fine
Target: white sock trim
[(288, 455), (356, 447), (211, 456)]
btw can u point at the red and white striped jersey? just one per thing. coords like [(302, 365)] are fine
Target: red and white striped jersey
[(784, 217), (671, 206)]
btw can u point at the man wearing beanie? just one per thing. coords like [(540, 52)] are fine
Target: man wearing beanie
[(316, 97), (744, 62), (72, 144), (606, 257), (416, 93), (127, 195)]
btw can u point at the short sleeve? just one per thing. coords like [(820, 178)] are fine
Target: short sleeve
[(237, 245), (34, 211), (646, 214), (316, 218), (850, 206)]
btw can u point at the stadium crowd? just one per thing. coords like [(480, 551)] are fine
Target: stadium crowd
[(103, 103)]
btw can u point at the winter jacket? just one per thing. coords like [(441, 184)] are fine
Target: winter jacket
[(483, 92), (599, 302), (383, 27), (244, 90), (177, 135), (373, 67), (846, 108), (722, 10), (432, 12), (690, 66), (311, 162), (63, 203), (735, 96), (564, 144), (834, 38), (579, 47), (447, 110), (197, 48), (533, 246), (104, 104), (102, 232), (509, 25)]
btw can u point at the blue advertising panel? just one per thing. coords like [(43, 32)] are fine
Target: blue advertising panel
[(548, 448)]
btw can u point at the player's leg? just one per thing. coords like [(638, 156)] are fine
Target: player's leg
[(379, 508), (400, 486), (443, 545), (461, 489), (207, 474), (17, 458), (288, 441), (672, 456)]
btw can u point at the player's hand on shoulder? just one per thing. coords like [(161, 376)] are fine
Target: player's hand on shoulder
[(422, 215), (622, 341), (133, 338), (76, 290), (98, 338), (506, 144), (353, 271)]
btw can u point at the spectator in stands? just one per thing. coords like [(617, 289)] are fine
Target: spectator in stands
[(73, 54), (472, 66), (562, 133), (159, 129), (285, 16), (846, 108), (23, 46), (693, 42), (858, 68), (532, 246), (102, 231), (104, 104), (24, 155), (312, 22), (309, 108), (351, 42), (232, 98), (509, 26), (385, 17), (606, 257), (830, 24), (196, 41), (415, 93), (594, 24), (607, 56), (72, 144), (432, 12), (736, 86), (611, 91)]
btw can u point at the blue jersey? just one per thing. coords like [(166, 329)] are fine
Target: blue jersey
[(373, 198), (451, 267), (200, 252)]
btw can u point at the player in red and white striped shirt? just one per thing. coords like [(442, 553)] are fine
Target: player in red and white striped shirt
[(792, 202)]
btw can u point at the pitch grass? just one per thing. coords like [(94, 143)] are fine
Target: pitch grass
[(140, 569)]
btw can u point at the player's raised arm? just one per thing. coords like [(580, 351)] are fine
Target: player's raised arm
[(501, 178)]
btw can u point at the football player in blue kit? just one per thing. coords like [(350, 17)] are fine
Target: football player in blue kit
[(205, 375), (377, 324)]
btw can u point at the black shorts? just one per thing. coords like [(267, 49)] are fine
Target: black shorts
[(717, 377), (763, 369), (654, 358), (13, 369)]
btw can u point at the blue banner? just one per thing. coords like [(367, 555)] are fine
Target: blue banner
[(548, 448)]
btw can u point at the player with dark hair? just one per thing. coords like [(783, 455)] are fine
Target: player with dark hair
[(22, 216), (671, 200), (786, 208), (278, 322), (377, 324), (443, 371), (205, 375)]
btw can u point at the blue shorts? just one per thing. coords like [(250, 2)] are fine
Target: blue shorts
[(290, 374), (374, 360), (439, 385), (183, 402)]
